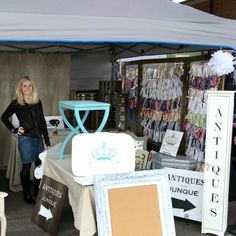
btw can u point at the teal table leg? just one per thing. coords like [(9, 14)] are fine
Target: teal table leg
[(66, 140), (73, 132), (85, 116), (77, 107), (62, 112), (104, 120), (81, 122)]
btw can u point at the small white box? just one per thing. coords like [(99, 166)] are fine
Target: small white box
[(102, 153)]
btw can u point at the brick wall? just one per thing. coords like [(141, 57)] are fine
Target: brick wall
[(223, 8)]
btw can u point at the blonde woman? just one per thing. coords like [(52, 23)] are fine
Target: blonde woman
[(32, 131)]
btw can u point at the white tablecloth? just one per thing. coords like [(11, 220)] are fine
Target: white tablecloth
[(81, 198)]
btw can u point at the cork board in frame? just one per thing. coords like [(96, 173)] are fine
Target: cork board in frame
[(137, 203)]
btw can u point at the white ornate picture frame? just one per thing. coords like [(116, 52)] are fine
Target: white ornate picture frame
[(134, 202)]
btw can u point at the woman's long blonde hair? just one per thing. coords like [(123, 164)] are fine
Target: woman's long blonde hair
[(19, 94)]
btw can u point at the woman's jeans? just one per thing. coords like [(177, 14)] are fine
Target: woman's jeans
[(30, 148)]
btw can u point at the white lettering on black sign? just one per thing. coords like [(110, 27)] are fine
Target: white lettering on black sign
[(52, 191)]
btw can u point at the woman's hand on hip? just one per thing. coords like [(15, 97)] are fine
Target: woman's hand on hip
[(20, 131)]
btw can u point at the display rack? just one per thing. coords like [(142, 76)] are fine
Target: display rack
[(136, 118)]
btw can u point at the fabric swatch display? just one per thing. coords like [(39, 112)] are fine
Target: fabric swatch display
[(161, 97), (131, 85), (202, 79)]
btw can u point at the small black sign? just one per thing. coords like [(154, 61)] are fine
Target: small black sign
[(49, 204)]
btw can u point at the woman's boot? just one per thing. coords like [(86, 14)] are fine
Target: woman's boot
[(25, 182), (27, 197), (36, 181), (36, 186)]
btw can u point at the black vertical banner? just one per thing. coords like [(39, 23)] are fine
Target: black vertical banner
[(49, 205)]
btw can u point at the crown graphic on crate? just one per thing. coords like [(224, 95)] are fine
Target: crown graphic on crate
[(171, 140), (103, 153)]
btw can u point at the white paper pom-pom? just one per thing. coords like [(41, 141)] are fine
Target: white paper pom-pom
[(222, 63)]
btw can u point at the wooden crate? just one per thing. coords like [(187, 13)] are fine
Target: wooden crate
[(107, 88)]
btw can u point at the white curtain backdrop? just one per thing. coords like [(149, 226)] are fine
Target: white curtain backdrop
[(51, 74)]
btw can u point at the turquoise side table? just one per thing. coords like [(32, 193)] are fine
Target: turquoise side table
[(78, 106)]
